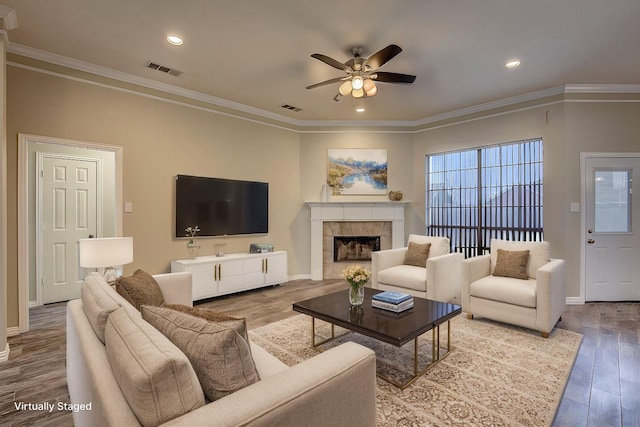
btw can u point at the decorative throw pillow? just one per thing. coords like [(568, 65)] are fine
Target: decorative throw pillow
[(237, 324), (140, 289), (219, 355), (156, 378), (512, 264), (417, 254)]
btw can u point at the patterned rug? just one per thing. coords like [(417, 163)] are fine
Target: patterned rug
[(495, 374)]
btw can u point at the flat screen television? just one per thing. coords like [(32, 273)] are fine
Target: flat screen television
[(221, 207)]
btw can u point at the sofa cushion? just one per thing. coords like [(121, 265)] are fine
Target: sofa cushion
[(237, 324), (505, 289), (140, 289), (512, 264), (439, 245), (404, 276), (220, 356), (154, 376), (97, 302), (417, 254), (539, 253)]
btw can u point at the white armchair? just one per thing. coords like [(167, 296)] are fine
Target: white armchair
[(438, 280), (536, 302)]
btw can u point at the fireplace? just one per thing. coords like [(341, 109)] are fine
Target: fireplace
[(354, 248)]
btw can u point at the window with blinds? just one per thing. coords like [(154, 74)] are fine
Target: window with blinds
[(490, 192)]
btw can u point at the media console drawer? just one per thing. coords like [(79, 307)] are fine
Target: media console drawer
[(214, 276)]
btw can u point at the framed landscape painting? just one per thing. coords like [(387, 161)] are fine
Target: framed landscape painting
[(357, 171)]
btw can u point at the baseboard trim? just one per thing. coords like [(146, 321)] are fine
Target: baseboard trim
[(4, 355), (13, 331), (300, 277), (33, 304), (575, 301)]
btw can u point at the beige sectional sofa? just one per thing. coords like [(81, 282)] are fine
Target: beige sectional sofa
[(337, 387)]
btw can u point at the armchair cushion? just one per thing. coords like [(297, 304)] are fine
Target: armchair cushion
[(506, 290), (439, 245), (417, 254), (404, 276), (539, 253), (512, 264)]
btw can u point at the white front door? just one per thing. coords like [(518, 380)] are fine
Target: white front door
[(612, 232), (68, 211)]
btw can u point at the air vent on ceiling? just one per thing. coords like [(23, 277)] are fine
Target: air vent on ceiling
[(166, 70), (291, 107)]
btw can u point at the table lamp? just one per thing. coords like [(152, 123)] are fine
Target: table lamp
[(105, 254)]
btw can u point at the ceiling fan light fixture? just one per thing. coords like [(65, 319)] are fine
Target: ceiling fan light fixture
[(370, 87), (357, 83), (357, 93), (345, 88)]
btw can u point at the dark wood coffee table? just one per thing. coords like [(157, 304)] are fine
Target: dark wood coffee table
[(396, 329)]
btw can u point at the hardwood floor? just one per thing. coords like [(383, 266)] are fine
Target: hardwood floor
[(603, 390)]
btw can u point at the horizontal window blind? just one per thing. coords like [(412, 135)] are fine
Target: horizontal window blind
[(490, 192)]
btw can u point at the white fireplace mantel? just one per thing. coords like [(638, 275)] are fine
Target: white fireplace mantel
[(352, 211)]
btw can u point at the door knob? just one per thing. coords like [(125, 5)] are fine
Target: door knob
[(591, 241), (590, 231)]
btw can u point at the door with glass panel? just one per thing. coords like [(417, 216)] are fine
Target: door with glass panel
[(612, 232)]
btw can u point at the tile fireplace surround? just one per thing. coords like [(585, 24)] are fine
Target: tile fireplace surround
[(384, 216)]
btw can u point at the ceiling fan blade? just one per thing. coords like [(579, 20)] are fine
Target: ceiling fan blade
[(393, 77), (330, 61), (382, 56), (328, 82)]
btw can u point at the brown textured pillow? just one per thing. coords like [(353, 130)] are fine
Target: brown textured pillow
[(512, 264), (237, 324), (219, 355), (140, 289), (417, 254)]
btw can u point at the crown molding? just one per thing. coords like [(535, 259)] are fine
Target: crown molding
[(8, 15), (99, 70), (602, 88), (242, 108)]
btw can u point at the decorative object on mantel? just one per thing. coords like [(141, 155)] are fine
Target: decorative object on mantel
[(260, 248), (192, 247), (325, 195), (396, 196), (357, 277), (357, 171)]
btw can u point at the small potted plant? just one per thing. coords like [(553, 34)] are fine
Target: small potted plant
[(191, 243)]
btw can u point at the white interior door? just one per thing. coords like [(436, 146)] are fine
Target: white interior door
[(612, 234), (68, 210)]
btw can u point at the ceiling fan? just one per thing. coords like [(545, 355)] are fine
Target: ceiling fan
[(362, 73)]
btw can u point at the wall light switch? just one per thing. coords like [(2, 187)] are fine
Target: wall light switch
[(128, 207), (575, 207)]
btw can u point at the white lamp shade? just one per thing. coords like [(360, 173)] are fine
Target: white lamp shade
[(105, 252)]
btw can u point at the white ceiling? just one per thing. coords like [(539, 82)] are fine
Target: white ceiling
[(257, 52)]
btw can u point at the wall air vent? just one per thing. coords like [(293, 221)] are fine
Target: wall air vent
[(162, 68), (291, 107)]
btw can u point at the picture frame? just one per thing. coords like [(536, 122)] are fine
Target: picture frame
[(357, 171)]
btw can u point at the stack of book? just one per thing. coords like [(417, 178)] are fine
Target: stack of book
[(392, 301)]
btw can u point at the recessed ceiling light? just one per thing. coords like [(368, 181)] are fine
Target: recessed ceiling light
[(512, 63), (174, 40), (360, 109)]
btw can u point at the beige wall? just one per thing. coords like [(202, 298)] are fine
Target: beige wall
[(159, 140), (567, 129), (162, 139)]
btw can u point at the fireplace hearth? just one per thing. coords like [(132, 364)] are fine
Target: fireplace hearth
[(354, 248)]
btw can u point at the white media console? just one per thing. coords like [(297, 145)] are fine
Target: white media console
[(215, 276)]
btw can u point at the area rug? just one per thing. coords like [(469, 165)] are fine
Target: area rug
[(495, 374)]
